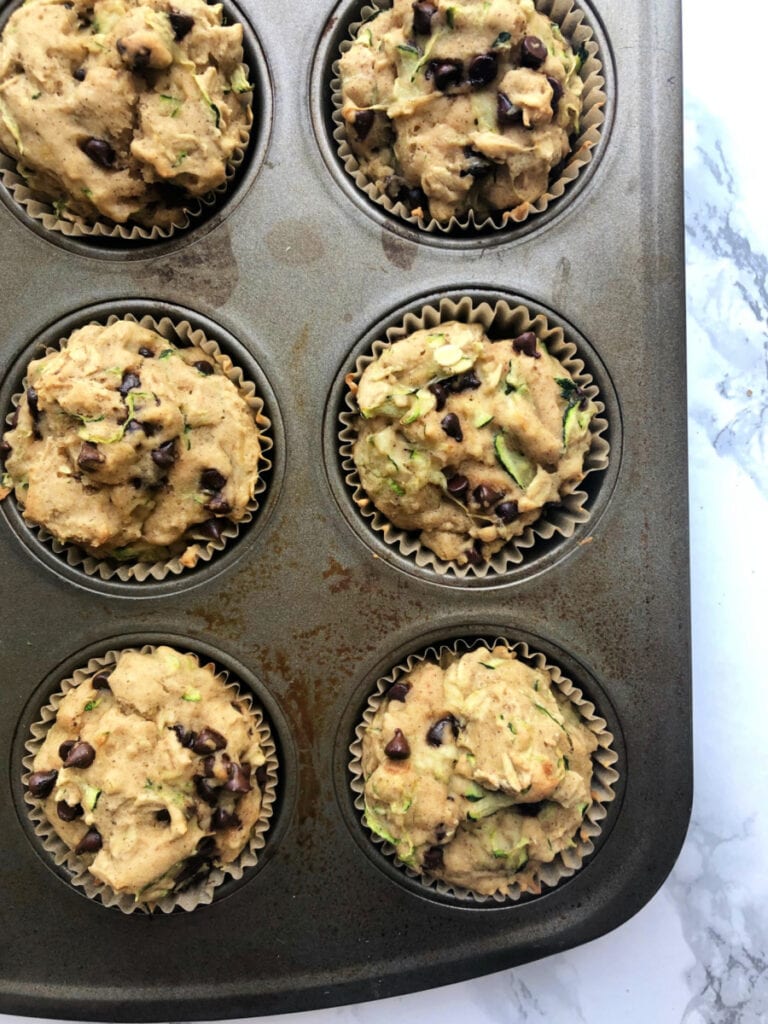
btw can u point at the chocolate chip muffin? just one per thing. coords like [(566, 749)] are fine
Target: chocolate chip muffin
[(151, 772), (478, 770), (464, 440), (131, 447), (452, 108), (122, 109)]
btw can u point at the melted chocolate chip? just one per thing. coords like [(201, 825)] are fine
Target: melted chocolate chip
[(446, 73), (81, 755), (207, 792), (89, 456), (468, 381), (398, 691), (477, 165), (457, 486), (239, 780), (362, 123), (526, 343), (557, 93), (5, 449), (507, 511), (147, 353), (219, 505), (40, 784), (398, 748), (452, 426), (440, 832), (180, 23), (485, 495), (165, 455), (436, 732), (221, 819), (65, 748), (79, 74), (440, 394), (474, 555), (186, 737), (90, 843), (101, 681), (530, 810), (34, 411), (210, 529), (67, 812), (533, 52), (506, 111), (128, 383), (212, 480), (204, 367), (482, 69), (138, 60), (208, 741), (100, 151), (433, 858), (423, 13), (163, 815)]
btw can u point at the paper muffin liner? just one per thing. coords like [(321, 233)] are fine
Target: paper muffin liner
[(201, 892), (604, 774), (197, 551), (501, 320), (574, 28)]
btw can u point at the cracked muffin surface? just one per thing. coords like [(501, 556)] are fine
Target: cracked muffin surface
[(123, 110)]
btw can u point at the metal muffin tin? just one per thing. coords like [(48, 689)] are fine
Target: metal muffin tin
[(296, 268)]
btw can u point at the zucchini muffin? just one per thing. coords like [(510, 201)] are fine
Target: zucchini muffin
[(152, 773), (464, 440), (478, 773), (457, 107), (130, 447), (122, 109)]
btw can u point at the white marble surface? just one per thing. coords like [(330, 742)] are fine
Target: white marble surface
[(698, 952)]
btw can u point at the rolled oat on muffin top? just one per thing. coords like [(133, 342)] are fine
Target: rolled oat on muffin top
[(122, 109), (152, 772), (465, 440), (454, 108), (478, 773), (129, 446)]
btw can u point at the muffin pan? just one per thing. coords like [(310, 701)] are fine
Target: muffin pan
[(295, 274)]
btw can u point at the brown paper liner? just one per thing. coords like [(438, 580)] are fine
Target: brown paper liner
[(74, 226), (570, 19), (198, 894), (196, 552), (511, 321), (604, 776)]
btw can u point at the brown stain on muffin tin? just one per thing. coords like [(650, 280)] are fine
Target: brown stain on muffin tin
[(294, 243), (401, 252), (208, 270)]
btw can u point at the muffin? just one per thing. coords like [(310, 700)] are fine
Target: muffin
[(152, 772), (131, 447), (464, 440), (478, 771), (124, 110), (458, 108)]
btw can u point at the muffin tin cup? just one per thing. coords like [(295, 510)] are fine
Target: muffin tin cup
[(575, 28), (196, 895), (104, 231), (500, 319), (197, 552), (604, 778)]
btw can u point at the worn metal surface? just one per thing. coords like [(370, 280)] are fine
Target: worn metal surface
[(297, 271)]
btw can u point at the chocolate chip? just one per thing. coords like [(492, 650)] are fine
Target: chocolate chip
[(210, 529), (506, 111), (526, 343), (468, 381), (219, 505), (423, 13), (440, 394), (557, 92), (41, 783), (207, 792), (239, 780), (436, 732), (89, 456), (474, 555), (221, 819), (433, 858), (440, 832), (533, 52), (398, 748), (398, 691), (5, 449), (163, 815), (132, 426), (180, 23), (261, 775), (147, 353), (34, 409), (186, 737), (150, 429), (204, 367), (477, 165), (138, 60), (212, 480), (457, 486), (452, 426), (128, 383), (67, 812), (100, 151), (446, 73), (90, 843), (209, 765), (507, 511), (208, 741), (362, 123), (485, 496), (101, 681), (79, 74), (530, 810), (65, 748), (207, 846), (81, 755), (482, 69), (165, 455)]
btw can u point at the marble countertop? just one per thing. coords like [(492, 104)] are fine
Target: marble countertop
[(698, 952)]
